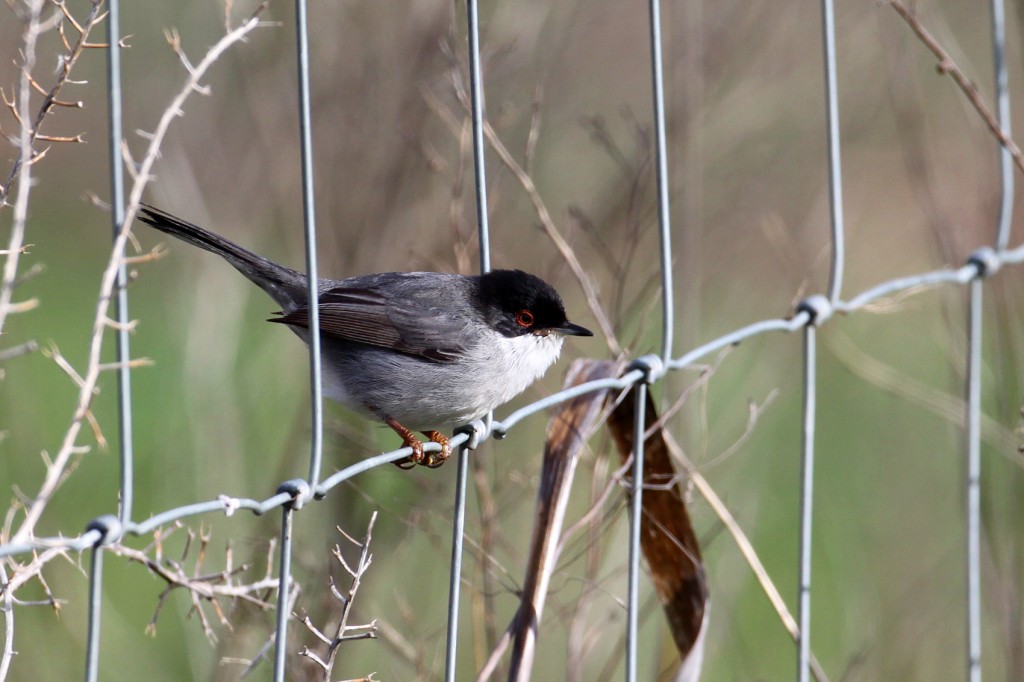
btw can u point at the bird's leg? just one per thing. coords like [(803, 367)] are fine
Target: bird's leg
[(435, 460), (410, 439)]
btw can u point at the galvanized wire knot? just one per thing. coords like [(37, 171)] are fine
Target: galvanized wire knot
[(231, 504), (298, 488), (478, 430), (651, 365), (109, 528), (817, 307), (985, 260)]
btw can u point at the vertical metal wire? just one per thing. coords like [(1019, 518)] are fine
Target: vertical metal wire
[(973, 387), (1003, 113), (661, 164), (835, 288), (974, 349), (806, 499), (92, 642), (635, 517), (974, 481), (835, 170), (123, 350), (455, 578), (309, 222), (476, 94), (284, 578)]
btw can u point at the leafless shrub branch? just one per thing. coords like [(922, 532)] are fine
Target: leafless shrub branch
[(8, 610), (101, 321), (205, 589), (343, 632), (547, 222), (29, 127), (946, 65)]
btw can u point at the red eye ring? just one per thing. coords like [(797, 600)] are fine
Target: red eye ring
[(524, 318)]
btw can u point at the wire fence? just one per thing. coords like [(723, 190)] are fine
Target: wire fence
[(294, 496)]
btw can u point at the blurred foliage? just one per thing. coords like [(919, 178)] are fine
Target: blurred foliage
[(223, 408)]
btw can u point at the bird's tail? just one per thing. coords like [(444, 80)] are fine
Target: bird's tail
[(286, 286)]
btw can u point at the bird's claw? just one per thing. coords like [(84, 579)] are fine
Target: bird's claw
[(410, 440), (431, 460), (436, 459)]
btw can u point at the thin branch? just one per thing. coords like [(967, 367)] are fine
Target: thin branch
[(547, 222), (342, 629), (202, 589), (29, 346), (8, 610), (563, 247), (22, 167), (55, 473), (743, 544), (29, 133), (948, 407), (970, 89)]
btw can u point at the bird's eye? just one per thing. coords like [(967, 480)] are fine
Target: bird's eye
[(524, 318)]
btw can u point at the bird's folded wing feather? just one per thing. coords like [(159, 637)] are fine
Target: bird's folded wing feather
[(364, 315)]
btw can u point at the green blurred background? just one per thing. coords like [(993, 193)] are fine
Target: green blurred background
[(224, 407)]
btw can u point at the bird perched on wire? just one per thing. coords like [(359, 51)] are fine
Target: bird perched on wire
[(416, 350)]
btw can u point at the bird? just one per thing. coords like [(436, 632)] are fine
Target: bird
[(418, 351)]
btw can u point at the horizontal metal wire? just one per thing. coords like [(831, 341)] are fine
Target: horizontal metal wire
[(499, 428), (813, 312)]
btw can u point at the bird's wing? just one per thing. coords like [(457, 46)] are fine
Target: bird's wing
[(411, 324)]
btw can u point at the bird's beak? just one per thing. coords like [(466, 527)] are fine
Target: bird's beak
[(570, 329)]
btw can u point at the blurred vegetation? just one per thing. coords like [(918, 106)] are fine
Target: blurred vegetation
[(223, 408)]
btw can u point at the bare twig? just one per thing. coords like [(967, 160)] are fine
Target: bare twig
[(563, 446), (754, 412), (30, 127), (264, 651), (341, 631), (204, 589), (743, 544), (22, 168), (949, 407), (489, 526), (531, 140), (21, 349), (970, 89), (55, 472), (7, 606), (547, 222), (564, 249), (23, 573), (578, 643)]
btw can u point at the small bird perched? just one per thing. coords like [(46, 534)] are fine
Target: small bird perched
[(416, 350)]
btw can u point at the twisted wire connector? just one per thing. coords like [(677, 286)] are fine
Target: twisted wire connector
[(651, 366), (478, 431), (985, 260), (231, 504), (298, 489), (109, 527), (818, 309)]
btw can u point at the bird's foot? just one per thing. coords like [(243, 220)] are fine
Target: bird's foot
[(409, 439), (436, 459), (418, 456)]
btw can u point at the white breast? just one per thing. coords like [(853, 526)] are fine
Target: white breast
[(513, 364)]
